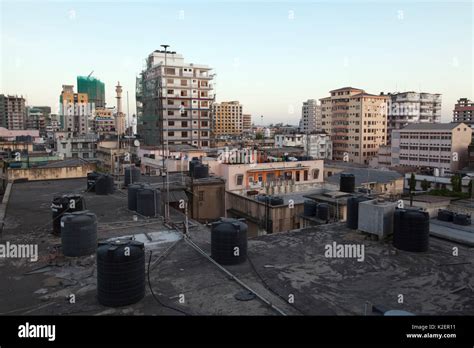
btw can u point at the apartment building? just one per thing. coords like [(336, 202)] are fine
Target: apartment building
[(412, 107), (12, 112), (317, 145), (464, 111), (227, 118), (174, 101), (104, 121), (442, 146), (83, 146), (75, 111), (356, 122), (285, 140), (36, 119), (310, 116), (247, 122)]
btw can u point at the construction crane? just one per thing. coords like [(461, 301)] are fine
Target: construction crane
[(90, 74)]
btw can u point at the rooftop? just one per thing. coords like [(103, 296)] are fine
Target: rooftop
[(279, 265), (363, 176), (431, 126)]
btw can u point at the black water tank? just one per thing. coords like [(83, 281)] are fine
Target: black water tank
[(353, 211), (192, 163), (229, 241), (132, 195), (91, 180), (310, 208), (462, 219), (347, 183), (323, 211), (263, 198), (132, 175), (200, 171), (445, 215), (274, 200), (104, 185), (63, 204), (120, 272), (79, 233), (411, 230), (148, 201)]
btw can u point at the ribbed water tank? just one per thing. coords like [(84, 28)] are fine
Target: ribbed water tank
[(131, 175), (229, 241), (132, 195), (411, 230), (104, 185), (148, 201), (445, 215), (347, 182), (63, 204), (200, 171), (276, 200), (91, 180), (310, 208), (79, 233), (353, 211), (462, 219), (192, 163), (120, 272), (323, 211)]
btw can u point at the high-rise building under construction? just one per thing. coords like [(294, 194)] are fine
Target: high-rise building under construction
[(94, 88), (174, 101)]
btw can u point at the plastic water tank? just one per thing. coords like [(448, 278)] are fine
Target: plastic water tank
[(104, 185), (353, 211), (462, 219), (91, 180), (132, 195), (323, 211), (120, 272), (131, 175), (276, 200), (411, 230), (263, 198), (63, 204), (79, 233), (310, 208), (229, 241), (445, 215), (347, 182), (200, 171), (192, 163), (148, 202)]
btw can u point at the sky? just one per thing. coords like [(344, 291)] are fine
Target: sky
[(269, 55)]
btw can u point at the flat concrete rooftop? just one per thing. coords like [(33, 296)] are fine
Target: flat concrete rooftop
[(284, 264)]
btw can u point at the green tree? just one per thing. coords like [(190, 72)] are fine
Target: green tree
[(425, 185), (456, 183), (412, 182), (259, 136)]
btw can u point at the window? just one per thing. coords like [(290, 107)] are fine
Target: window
[(170, 71), (184, 123), (170, 123), (184, 134), (315, 173), (305, 175), (171, 134), (85, 155), (239, 179)]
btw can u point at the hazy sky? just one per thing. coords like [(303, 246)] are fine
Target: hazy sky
[(269, 55)]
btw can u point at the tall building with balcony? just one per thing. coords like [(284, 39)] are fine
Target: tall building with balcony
[(75, 111), (310, 116), (12, 112), (464, 112), (36, 119), (412, 107), (174, 101), (227, 118), (356, 122), (247, 122), (432, 145)]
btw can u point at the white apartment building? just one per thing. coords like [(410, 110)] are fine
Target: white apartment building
[(83, 146), (412, 107), (432, 145), (182, 93), (318, 145), (288, 140), (310, 116)]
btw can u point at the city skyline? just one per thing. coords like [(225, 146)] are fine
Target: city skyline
[(271, 57)]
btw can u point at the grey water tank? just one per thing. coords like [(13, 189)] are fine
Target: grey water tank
[(131, 175), (229, 241), (79, 233), (62, 204), (104, 185), (91, 180), (353, 211), (120, 272), (132, 195), (347, 182), (411, 230), (148, 202), (310, 207)]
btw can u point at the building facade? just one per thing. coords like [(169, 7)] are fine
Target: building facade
[(94, 88), (174, 101), (317, 145), (441, 146), (104, 121), (36, 119), (12, 112), (227, 118), (356, 122), (247, 122), (310, 116), (83, 146), (464, 112), (75, 111), (284, 140), (412, 107)]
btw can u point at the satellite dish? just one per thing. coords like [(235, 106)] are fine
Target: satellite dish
[(136, 142)]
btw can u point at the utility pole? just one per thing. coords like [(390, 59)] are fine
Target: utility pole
[(164, 172)]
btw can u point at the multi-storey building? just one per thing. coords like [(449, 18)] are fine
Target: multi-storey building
[(227, 118), (83, 146), (94, 88), (310, 116), (285, 140), (36, 119), (104, 121), (317, 145), (247, 122), (12, 112), (356, 122), (464, 112), (174, 101), (432, 145), (75, 111), (412, 107)]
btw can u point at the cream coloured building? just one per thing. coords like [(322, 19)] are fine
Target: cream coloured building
[(227, 118)]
